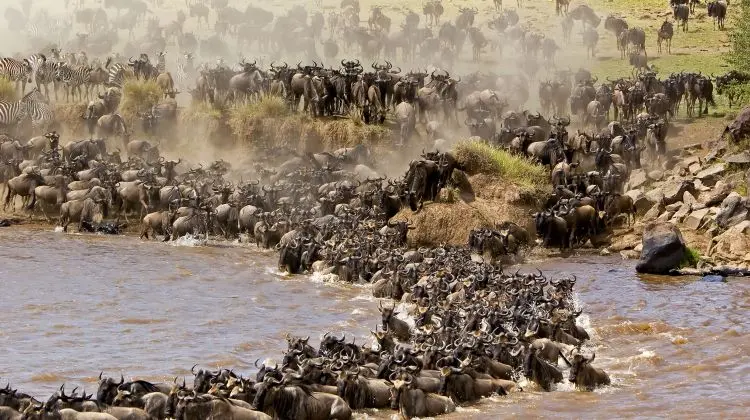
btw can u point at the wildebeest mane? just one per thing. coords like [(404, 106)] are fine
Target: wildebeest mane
[(357, 394)]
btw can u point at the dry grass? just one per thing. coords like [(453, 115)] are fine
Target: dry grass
[(7, 90), (70, 116), (269, 123), (478, 157), (138, 96)]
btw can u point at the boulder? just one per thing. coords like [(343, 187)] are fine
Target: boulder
[(640, 201), (681, 213), (674, 189), (663, 248), (665, 217), (637, 178), (732, 211), (673, 207), (695, 168), (720, 191), (694, 220), (656, 195), (629, 254), (742, 158), (698, 186), (732, 245), (656, 175), (688, 198), (652, 213), (712, 172)]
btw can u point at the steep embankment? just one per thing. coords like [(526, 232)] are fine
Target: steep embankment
[(494, 186)]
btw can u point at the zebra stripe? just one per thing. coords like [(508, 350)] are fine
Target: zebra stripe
[(73, 78), (14, 70), (12, 113), (35, 61), (116, 75), (41, 113)]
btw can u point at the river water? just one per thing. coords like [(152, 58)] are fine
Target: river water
[(74, 305)]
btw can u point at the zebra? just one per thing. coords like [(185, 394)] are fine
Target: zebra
[(116, 75), (73, 78), (161, 63), (16, 71), (31, 106), (12, 113), (41, 113), (185, 71), (35, 62), (46, 74)]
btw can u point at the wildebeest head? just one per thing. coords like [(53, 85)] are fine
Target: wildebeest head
[(108, 389), (330, 344), (386, 314), (578, 362), (175, 393), (267, 393)]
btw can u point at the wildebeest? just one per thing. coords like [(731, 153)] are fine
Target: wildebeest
[(541, 371), (585, 376), (361, 392), (637, 38), (666, 31), (590, 39), (717, 9), (616, 25), (681, 15), (399, 328), (295, 402), (414, 402), (208, 406)]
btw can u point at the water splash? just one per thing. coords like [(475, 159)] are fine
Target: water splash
[(190, 241)]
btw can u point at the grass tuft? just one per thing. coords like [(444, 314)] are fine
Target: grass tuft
[(690, 258), (478, 157)]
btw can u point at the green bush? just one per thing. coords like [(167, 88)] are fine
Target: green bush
[(478, 157), (690, 258), (138, 96)]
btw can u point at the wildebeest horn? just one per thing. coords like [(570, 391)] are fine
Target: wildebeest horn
[(100, 375), (122, 379), (192, 369)]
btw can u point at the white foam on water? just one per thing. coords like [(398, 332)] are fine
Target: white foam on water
[(58, 229), (319, 277), (189, 241), (460, 409)]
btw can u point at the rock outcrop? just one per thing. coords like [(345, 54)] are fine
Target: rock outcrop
[(663, 248)]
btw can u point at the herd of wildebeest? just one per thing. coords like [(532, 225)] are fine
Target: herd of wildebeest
[(467, 328)]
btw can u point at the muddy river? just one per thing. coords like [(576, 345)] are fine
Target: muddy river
[(74, 305)]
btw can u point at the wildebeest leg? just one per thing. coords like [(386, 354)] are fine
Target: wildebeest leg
[(33, 201), (44, 212)]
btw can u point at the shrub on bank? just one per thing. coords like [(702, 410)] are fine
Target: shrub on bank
[(70, 117), (268, 122), (138, 96), (479, 157), (7, 90)]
